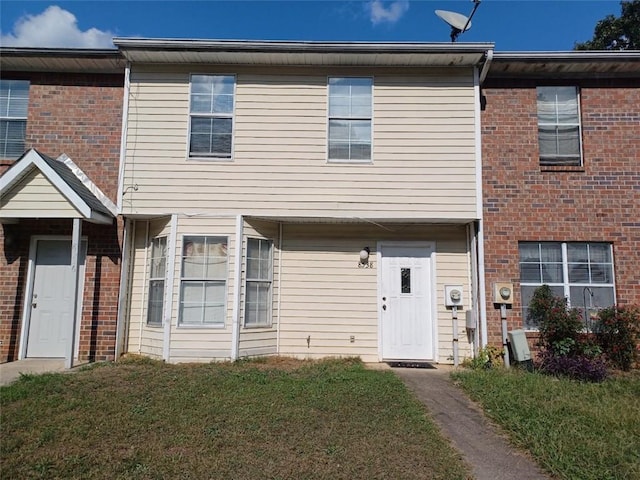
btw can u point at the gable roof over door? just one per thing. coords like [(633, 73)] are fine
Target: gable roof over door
[(63, 184)]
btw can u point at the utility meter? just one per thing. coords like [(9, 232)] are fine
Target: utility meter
[(503, 293), (453, 295)]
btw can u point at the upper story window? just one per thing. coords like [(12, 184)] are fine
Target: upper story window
[(559, 126), (14, 100), (211, 116), (579, 272), (350, 112)]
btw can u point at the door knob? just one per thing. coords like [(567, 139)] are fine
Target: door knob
[(384, 307), (34, 305)]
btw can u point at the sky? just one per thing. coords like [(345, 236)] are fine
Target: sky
[(513, 25)]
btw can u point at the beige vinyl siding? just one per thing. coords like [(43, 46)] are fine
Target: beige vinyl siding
[(260, 340), (35, 196), (326, 298), (423, 147), (203, 343), (144, 339)]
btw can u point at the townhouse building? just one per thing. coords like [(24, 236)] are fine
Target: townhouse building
[(60, 243)]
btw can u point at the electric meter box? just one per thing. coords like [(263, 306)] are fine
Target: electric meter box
[(503, 293), (453, 295), (519, 345)]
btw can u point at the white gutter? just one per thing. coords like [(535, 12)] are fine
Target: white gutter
[(486, 66), (123, 137), (145, 287), (237, 284)]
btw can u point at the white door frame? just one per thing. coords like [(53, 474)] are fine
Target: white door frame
[(31, 271), (433, 293)]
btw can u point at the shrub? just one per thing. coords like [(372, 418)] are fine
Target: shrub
[(578, 367), (488, 357), (560, 327), (618, 334)]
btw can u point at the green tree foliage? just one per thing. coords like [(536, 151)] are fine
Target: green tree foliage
[(616, 33)]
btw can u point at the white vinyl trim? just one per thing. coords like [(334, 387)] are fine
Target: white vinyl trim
[(168, 291), (237, 285), (123, 136)]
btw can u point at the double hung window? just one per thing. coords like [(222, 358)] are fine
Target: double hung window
[(203, 281), (559, 126), (211, 116), (257, 305), (580, 272), (350, 112), (14, 101), (157, 271)]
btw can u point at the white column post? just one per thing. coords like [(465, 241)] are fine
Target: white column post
[(75, 269)]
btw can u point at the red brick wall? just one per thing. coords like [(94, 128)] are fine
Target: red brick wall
[(599, 202), (80, 115)]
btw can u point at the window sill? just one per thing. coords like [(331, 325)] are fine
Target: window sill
[(350, 162), (210, 159), (202, 327), (562, 168), (257, 327)]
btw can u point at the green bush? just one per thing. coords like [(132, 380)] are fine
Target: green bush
[(488, 357), (560, 328), (618, 334)]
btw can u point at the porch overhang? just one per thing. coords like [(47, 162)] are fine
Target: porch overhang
[(35, 180)]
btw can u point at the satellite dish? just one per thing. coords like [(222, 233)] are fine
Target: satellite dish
[(459, 23), (455, 20)]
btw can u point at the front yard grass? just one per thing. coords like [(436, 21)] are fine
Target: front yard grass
[(264, 419), (575, 430)]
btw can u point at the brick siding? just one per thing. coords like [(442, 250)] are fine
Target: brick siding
[(599, 202), (80, 115)]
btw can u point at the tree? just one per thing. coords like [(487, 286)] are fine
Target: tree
[(616, 33)]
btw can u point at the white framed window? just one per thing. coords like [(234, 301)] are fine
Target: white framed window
[(157, 275), (559, 136), (203, 281), (257, 303), (14, 102), (350, 119), (211, 104), (579, 271)]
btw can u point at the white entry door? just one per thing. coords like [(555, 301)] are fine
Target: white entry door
[(52, 298), (406, 317)]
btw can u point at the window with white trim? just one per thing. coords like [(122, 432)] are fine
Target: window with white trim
[(257, 303), (157, 271), (14, 102), (211, 116), (203, 281), (580, 272), (350, 112), (559, 126)]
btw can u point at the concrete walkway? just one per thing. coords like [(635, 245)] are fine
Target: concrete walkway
[(11, 371), (489, 454)]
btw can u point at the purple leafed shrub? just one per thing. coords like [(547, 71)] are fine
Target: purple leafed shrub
[(578, 367)]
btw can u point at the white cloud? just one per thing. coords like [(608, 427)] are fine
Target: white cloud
[(54, 28), (379, 13)]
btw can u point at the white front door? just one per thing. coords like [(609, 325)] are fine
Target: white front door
[(52, 297), (405, 288)]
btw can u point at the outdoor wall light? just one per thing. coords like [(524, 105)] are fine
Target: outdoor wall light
[(364, 258)]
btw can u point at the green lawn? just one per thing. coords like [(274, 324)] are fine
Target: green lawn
[(265, 419), (575, 430)]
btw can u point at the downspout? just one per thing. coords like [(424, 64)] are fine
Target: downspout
[(123, 138), (482, 314), (486, 66), (237, 285)]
